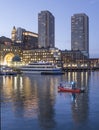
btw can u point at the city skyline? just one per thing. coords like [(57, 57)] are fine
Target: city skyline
[(25, 14)]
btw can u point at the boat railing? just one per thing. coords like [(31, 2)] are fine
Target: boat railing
[(66, 84)]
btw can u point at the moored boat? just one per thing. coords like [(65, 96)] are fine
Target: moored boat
[(5, 70), (41, 67)]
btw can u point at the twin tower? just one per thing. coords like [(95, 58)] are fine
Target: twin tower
[(46, 32)]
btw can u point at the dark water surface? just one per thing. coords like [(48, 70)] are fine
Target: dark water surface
[(31, 102)]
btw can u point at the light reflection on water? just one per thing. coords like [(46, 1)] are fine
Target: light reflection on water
[(32, 102)]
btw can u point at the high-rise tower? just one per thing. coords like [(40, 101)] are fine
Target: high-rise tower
[(80, 33), (46, 27)]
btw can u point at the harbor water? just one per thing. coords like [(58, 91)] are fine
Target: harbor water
[(32, 102)]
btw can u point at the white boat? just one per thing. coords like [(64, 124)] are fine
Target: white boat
[(5, 70), (41, 68)]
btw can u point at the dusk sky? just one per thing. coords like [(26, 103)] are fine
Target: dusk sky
[(24, 14)]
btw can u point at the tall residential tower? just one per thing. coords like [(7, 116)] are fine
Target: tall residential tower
[(46, 30), (80, 33)]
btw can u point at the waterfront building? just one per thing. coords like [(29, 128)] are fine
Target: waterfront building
[(46, 30), (67, 58), (94, 63), (30, 40), (52, 55), (74, 59), (23, 38), (8, 52), (80, 33)]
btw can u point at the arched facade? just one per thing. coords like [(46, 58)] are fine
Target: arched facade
[(8, 52), (8, 58)]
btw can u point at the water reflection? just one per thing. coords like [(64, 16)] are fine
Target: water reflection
[(35, 97), (80, 108), (81, 78)]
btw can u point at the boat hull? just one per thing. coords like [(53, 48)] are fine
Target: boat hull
[(60, 89), (8, 73), (52, 73)]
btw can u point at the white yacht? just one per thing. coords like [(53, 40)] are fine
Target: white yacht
[(41, 68), (5, 70)]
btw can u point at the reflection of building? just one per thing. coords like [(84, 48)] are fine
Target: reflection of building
[(46, 96), (80, 33), (80, 106), (81, 78), (46, 29), (30, 98)]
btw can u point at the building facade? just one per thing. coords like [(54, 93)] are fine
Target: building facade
[(23, 38), (52, 55), (8, 52), (30, 40), (69, 60), (13, 34), (74, 59), (46, 30), (80, 33)]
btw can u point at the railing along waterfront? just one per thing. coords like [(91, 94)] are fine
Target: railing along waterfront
[(80, 68)]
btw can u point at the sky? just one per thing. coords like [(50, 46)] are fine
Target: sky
[(24, 14)]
